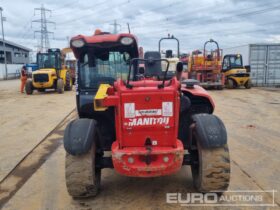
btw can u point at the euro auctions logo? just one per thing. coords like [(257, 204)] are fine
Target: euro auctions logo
[(229, 198)]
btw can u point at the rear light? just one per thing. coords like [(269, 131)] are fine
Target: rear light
[(126, 40), (78, 43)]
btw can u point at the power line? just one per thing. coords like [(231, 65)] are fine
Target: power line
[(206, 20), (44, 33), (116, 25), (103, 10)]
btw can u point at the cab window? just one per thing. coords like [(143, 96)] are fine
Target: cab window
[(102, 69)]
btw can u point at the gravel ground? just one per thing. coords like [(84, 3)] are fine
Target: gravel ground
[(252, 120)]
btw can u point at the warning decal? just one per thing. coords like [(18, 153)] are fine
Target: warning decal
[(129, 110), (167, 109)]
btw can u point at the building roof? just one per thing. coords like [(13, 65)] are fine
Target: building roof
[(16, 45)]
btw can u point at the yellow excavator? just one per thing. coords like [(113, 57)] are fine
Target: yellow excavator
[(52, 74), (235, 73)]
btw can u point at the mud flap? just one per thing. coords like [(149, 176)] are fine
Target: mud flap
[(79, 135), (209, 131)]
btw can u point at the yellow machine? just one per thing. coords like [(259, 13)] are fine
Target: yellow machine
[(51, 74), (172, 58), (235, 73), (69, 61)]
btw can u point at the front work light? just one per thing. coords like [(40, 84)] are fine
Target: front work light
[(126, 40), (78, 43)]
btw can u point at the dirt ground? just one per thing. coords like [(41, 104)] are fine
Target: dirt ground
[(26, 119), (252, 119)]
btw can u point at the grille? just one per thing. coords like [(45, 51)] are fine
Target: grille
[(41, 77), (241, 75)]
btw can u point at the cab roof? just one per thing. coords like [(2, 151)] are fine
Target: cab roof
[(101, 40), (103, 37)]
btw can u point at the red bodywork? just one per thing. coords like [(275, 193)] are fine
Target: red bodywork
[(100, 39), (146, 113), (146, 118)]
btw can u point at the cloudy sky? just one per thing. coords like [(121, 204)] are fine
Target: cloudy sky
[(230, 22)]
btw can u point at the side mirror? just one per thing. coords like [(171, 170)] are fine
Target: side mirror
[(141, 70)]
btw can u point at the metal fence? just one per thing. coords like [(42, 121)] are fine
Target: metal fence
[(13, 71)]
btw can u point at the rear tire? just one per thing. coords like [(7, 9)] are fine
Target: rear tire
[(212, 171), (82, 178), (28, 87), (60, 86), (248, 84), (69, 84)]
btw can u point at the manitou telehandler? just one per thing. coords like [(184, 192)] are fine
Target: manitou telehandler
[(50, 75), (138, 121)]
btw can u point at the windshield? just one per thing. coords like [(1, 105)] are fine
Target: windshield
[(47, 60), (103, 70), (235, 62)]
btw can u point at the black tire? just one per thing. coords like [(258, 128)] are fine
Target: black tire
[(248, 84), (211, 172), (220, 87), (82, 179), (29, 87), (60, 86), (231, 84), (69, 84)]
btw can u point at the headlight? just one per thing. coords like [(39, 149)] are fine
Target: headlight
[(78, 43), (126, 40)]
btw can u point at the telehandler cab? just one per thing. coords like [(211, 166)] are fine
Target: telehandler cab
[(139, 123)]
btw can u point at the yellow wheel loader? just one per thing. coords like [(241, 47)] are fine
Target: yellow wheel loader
[(50, 75), (236, 74)]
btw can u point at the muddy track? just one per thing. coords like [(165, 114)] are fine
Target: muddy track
[(33, 160)]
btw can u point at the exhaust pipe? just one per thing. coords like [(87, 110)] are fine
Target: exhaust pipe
[(179, 70)]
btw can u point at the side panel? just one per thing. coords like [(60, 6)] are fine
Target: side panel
[(258, 64), (150, 115), (273, 65), (198, 92)]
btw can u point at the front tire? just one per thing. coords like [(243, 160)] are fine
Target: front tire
[(82, 178), (231, 84), (212, 169), (60, 86), (29, 87)]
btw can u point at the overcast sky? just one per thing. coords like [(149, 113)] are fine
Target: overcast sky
[(230, 22)]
